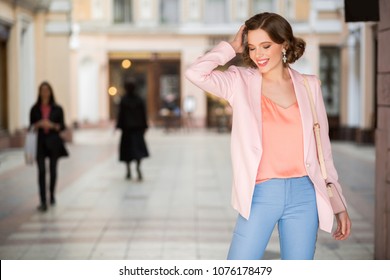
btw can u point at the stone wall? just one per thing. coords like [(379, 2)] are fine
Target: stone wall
[(382, 191)]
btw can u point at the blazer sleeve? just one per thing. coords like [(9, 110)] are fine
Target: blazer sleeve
[(35, 115), (57, 116), (61, 118), (203, 74), (325, 140)]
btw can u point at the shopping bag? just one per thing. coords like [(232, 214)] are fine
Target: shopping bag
[(30, 146)]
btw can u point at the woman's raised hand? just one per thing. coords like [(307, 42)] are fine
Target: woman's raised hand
[(237, 42)]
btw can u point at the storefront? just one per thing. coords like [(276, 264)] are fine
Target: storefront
[(158, 77)]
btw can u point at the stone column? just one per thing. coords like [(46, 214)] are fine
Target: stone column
[(382, 191)]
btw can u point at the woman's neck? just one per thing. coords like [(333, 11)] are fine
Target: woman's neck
[(277, 75)]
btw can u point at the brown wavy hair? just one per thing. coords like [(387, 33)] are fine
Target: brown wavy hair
[(279, 30)]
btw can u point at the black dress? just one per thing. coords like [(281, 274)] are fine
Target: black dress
[(132, 122)]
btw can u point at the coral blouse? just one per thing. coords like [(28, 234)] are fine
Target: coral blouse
[(282, 142), (45, 110)]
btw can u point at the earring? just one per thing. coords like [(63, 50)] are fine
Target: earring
[(284, 57)]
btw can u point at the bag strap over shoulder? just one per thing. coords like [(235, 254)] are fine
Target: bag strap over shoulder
[(316, 128)]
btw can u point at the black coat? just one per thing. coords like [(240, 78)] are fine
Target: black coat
[(132, 121), (49, 144), (132, 113)]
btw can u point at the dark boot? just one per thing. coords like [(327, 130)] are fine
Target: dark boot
[(42, 208), (52, 199)]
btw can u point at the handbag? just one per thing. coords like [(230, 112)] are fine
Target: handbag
[(335, 199), (30, 146)]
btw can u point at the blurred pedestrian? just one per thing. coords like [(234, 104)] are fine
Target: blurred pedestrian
[(276, 174), (47, 117), (132, 121), (170, 112)]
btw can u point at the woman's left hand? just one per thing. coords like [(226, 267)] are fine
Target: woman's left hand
[(343, 226)]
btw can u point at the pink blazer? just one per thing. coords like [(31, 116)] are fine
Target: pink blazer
[(241, 87)]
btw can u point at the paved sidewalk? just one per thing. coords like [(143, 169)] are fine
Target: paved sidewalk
[(180, 211)]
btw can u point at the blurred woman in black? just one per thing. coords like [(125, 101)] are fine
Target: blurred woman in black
[(132, 121), (47, 118)]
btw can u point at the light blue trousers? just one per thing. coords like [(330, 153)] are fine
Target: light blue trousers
[(290, 203)]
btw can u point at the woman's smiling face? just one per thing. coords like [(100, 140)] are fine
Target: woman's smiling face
[(265, 53)]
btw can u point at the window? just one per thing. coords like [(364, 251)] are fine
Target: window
[(123, 11), (97, 9), (169, 11), (330, 78), (194, 9), (261, 6), (216, 11), (241, 9)]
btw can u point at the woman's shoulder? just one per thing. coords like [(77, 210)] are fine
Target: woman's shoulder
[(35, 108), (56, 106), (311, 78)]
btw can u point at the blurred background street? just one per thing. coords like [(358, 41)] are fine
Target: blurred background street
[(180, 211)]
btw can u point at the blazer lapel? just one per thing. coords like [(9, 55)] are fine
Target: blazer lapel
[(255, 93), (304, 108)]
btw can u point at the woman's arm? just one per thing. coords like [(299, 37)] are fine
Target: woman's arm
[(35, 118), (343, 229), (324, 132), (203, 74), (56, 122), (60, 125)]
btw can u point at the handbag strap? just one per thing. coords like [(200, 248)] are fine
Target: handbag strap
[(316, 128)]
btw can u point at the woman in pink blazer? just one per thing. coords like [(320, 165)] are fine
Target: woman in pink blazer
[(276, 174)]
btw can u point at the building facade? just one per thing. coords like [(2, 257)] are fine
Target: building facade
[(85, 49), (34, 46), (156, 40)]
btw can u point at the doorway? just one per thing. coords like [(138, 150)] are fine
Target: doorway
[(158, 77)]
